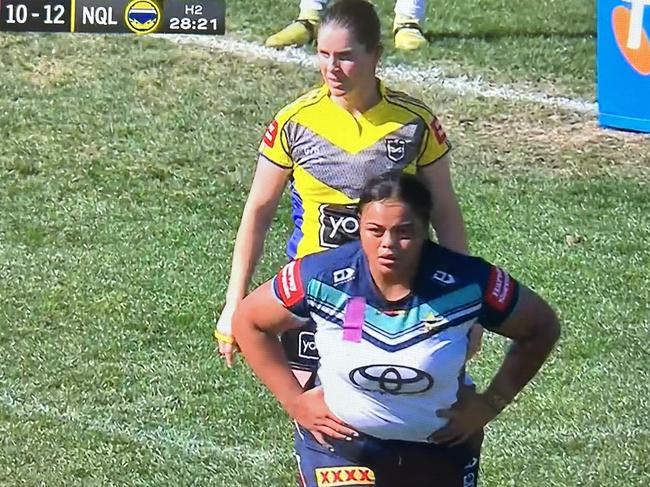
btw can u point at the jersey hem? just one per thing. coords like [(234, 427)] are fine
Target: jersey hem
[(420, 166), (262, 156)]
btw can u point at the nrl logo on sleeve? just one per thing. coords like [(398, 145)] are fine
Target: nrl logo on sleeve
[(395, 149), (290, 285)]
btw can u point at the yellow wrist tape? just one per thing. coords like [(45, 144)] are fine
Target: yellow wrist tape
[(220, 337)]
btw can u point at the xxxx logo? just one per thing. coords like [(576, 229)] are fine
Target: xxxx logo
[(631, 37), (344, 476)]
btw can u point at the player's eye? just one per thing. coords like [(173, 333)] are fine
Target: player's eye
[(375, 231)]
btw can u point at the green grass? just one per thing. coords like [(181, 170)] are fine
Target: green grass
[(549, 44), (124, 165)]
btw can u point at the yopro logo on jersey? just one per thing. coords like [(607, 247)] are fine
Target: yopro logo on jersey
[(338, 224), (307, 345)]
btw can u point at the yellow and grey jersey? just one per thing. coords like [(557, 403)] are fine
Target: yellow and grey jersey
[(332, 153)]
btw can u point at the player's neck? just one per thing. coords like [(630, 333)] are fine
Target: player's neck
[(394, 292), (395, 286)]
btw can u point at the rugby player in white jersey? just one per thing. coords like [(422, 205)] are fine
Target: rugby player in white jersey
[(393, 313)]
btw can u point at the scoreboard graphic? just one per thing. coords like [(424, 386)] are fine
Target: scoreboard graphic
[(114, 16)]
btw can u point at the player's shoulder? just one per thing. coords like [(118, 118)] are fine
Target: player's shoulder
[(404, 101), (332, 265), (308, 99), (442, 262), (311, 274)]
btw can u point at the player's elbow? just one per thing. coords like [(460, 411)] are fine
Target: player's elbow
[(257, 216), (546, 327), (242, 323)]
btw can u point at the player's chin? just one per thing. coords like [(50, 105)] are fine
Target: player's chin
[(388, 267), (337, 89)]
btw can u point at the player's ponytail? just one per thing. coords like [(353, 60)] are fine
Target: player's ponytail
[(360, 17), (399, 186)]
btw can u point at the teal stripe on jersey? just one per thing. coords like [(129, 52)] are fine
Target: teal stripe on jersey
[(451, 306)]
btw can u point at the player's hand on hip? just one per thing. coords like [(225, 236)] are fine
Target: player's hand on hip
[(311, 412), (468, 415), (223, 335), (475, 341)]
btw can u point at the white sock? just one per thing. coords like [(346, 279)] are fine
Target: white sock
[(312, 5), (411, 9)]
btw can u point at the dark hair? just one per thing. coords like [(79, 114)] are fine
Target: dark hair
[(403, 187), (360, 17)]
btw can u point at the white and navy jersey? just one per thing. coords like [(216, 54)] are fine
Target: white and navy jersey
[(386, 367)]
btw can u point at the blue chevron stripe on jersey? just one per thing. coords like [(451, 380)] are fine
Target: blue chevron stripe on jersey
[(421, 321)]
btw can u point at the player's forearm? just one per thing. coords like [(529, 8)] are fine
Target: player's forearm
[(265, 356), (447, 221), (522, 362), (249, 245)]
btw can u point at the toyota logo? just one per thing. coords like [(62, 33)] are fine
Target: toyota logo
[(391, 379)]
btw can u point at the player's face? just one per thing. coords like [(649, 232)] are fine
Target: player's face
[(344, 63), (392, 237)]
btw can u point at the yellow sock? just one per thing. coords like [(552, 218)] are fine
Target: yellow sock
[(311, 15), (297, 33), (408, 35)]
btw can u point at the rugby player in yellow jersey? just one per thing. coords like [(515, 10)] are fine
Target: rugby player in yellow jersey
[(326, 145)]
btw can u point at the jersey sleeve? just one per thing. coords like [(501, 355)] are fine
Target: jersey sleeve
[(434, 143), (500, 295), (275, 145), (291, 282)]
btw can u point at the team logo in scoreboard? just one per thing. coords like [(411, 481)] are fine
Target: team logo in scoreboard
[(142, 16)]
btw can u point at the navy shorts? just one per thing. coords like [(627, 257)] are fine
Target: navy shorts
[(370, 461)]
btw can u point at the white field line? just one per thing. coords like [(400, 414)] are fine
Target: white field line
[(170, 437), (158, 436), (462, 85)]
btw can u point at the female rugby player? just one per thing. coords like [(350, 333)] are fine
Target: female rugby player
[(392, 314), (326, 145)]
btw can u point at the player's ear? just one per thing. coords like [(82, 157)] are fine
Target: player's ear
[(379, 53)]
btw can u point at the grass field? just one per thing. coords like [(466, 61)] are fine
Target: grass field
[(124, 166)]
